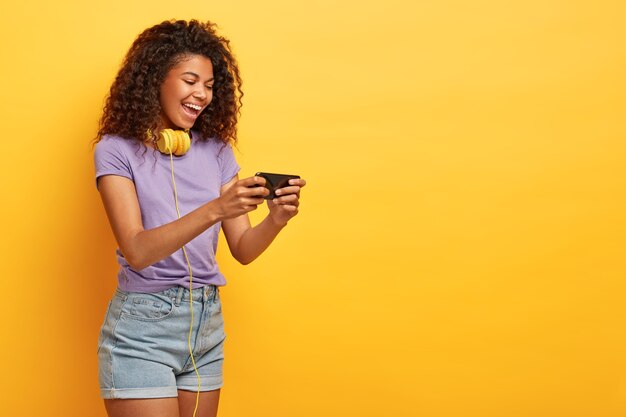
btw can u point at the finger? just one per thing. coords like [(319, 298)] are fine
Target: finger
[(254, 201), (288, 190), (288, 208), (252, 181), (256, 191), (291, 199), (250, 208), (293, 210), (297, 181)]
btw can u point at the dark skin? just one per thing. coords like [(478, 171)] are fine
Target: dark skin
[(183, 406)]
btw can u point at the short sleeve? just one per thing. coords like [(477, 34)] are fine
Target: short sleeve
[(228, 163), (110, 160)]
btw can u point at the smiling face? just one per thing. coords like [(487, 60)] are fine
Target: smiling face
[(186, 91)]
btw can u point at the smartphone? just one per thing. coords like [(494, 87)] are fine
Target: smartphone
[(274, 182)]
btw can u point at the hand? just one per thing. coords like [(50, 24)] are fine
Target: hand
[(285, 205), (242, 197)]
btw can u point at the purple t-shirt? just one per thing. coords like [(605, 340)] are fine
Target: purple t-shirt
[(199, 175)]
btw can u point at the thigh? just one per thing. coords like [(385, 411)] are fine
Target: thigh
[(207, 406), (149, 407)]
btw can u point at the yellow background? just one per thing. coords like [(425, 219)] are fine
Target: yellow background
[(460, 247)]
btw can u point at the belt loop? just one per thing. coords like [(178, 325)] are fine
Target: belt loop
[(216, 293), (205, 293), (179, 296)]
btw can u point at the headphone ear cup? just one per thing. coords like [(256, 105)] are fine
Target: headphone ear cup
[(187, 140), (165, 142), (183, 142), (180, 143), (175, 142), (177, 148)]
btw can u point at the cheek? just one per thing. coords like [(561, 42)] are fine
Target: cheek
[(165, 98), (170, 93), (163, 102)]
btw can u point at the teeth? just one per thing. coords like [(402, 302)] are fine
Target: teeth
[(192, 106)]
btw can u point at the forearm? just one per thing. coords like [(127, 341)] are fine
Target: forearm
[(150, 246), (255, 240)]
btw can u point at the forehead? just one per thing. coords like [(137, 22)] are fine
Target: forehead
[(196, 64)]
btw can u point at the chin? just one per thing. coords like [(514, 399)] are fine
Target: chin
[(184, 126)]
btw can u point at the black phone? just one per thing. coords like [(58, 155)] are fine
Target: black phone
[(275, 181)]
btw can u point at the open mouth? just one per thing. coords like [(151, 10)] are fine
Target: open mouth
[(191, 110)]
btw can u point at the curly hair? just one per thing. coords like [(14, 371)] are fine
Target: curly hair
[(132, 106)]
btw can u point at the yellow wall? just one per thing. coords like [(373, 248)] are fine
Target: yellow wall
[(460, 248)]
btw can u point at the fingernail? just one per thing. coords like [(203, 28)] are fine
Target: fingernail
[(278, 192)]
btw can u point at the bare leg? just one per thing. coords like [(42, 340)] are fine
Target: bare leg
[(148, 407), (207, 407)]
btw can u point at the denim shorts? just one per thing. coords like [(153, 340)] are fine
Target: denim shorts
[(143, 350)]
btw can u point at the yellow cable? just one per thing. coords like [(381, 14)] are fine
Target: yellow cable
[(193, 361)]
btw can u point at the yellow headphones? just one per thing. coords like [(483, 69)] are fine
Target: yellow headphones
[(172, 141)]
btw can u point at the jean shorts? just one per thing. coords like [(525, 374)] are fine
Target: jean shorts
[(143, 350)]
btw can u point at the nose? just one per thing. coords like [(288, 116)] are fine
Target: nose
[(200, 93)]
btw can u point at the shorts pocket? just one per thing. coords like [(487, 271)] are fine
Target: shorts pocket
[(147, 307)]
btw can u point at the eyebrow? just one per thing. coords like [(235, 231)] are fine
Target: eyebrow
[(196, 75)]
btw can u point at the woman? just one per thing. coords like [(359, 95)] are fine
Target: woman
[(160, 341)]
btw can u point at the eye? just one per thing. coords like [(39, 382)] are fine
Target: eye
[(209, 87), (189, 82)]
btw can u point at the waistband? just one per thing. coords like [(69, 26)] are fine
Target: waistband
[(180, 294), (204, 294)]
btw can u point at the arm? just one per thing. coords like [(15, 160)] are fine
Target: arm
[(142, 248), (246, 243)]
